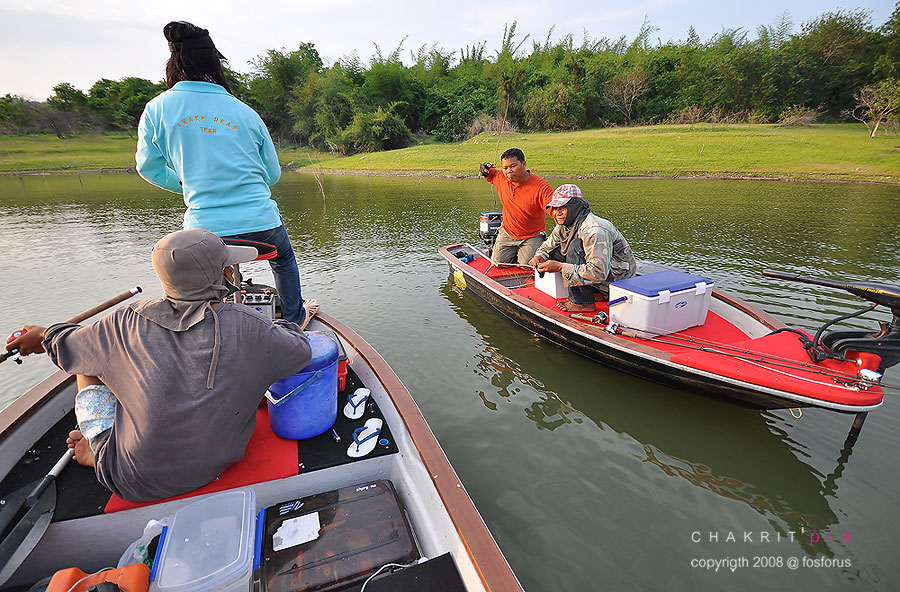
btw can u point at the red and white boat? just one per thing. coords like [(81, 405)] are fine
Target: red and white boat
[(736, 350)]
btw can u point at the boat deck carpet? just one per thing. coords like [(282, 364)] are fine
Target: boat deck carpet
[(267, 457), (714, 329), (79, 494), (784, 354)]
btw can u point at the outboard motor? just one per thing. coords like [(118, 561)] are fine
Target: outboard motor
[(881, 348), (489, 226)]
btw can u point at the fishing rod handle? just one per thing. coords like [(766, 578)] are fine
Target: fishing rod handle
[(806, 279), (781, 275), (15, 335), (61, 464), (78, 318), (104, 305)]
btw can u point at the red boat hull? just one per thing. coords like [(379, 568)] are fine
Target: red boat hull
[(733, 354)]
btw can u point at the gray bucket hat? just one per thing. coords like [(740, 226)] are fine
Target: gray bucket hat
[(190, 265), (190, 262)]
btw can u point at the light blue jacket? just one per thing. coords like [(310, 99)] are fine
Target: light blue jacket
[(197, 140)]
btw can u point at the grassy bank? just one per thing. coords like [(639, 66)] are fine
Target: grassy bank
[(46, 153), (821, 152), (833, 151)]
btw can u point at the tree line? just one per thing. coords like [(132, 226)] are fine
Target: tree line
[(838, 66)]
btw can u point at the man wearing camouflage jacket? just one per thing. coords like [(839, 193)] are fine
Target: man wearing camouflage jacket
[(588, 250)]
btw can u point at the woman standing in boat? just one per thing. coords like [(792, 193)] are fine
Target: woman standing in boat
[(198, 140), (588, 250)]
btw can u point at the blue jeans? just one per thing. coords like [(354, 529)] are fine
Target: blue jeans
[(284, 267), (581, 295)]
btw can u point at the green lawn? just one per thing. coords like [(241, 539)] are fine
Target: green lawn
[(832, 151), (47, 153), (824, 151)]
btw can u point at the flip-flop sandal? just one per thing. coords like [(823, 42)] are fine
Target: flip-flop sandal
[(365, 438), (356, 403)]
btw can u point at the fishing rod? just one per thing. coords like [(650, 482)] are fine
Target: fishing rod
[(74, 320), (750, 356), (884, 294), (704, 343), (836, 344), (747, 355), (494, 192)]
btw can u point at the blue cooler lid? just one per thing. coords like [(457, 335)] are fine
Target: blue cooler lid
[(324, 352), (653, 283)]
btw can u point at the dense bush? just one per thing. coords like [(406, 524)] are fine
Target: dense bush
[(555, 107), (373, 131)]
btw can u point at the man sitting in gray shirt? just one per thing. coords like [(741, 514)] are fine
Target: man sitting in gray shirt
[(168, 387)]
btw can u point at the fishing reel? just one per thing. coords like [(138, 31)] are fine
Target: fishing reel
[(873, 352), (13, 352)]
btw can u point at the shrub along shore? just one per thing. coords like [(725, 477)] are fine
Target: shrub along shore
[(821, 152)]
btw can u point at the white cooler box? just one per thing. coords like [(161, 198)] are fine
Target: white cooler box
[(551, 283), (660, 303)]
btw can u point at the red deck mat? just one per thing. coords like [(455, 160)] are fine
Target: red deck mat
[(267, 457), (714, 329), (783, 345)]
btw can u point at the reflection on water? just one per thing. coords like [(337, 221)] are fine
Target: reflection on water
[(783, 489), (588, 478)]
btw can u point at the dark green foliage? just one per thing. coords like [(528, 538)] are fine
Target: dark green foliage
[(67, 98), (11, 111), (355, 106), (837, 53), (132, 95), (277, 74), (456, 104), (391, 83), (121, 102), (109, 104), (555, 107), (374, 131), (888, 63), (325, 106)]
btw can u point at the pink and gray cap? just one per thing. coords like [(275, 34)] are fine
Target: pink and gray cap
[(562, 195)]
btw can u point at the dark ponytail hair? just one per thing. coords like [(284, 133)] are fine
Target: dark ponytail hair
[(194, 56)]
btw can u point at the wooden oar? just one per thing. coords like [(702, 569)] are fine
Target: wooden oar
[(87, 314), (25, 517)]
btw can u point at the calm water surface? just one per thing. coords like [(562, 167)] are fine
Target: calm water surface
[(588, 478)]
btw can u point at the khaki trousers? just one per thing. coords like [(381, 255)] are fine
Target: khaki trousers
[(509, 250)]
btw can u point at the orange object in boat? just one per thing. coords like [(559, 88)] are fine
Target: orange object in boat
[(131, 578)]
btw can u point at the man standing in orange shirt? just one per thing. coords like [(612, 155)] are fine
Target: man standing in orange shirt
[(524, 196)]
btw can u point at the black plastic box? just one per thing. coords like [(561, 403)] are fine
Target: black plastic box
[(361, 528)]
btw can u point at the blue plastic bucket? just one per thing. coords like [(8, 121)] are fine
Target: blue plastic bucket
[(305, 405)]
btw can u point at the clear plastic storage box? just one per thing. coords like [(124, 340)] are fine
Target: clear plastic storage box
[(208, 545), (660, 303)]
